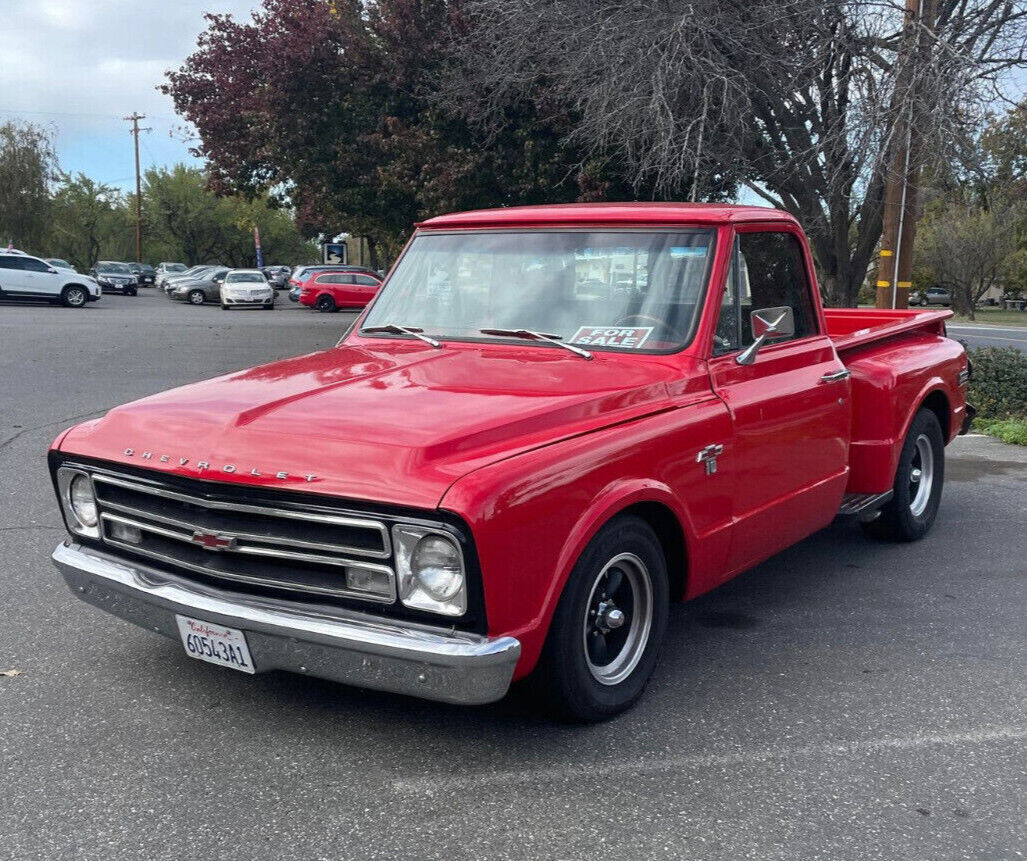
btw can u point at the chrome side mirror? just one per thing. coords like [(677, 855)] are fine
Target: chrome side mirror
[(768, 324)]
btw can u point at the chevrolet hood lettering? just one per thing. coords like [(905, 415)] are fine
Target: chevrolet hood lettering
[(227, 469)]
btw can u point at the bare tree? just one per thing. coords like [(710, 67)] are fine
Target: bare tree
[(798, 100)]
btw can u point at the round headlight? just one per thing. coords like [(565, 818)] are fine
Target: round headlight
[(83, 503), (436, 563)]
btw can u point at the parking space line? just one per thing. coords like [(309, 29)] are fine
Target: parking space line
[(619, 768)]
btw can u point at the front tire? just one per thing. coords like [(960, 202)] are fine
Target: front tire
[(606, 633), (197, 297), (916, 494), (74, 296)]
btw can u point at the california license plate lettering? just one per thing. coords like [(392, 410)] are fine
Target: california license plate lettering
[(215, 644)]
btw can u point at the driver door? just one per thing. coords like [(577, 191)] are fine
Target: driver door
[(791, 419)]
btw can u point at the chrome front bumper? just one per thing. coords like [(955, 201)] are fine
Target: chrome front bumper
[(407, 658)]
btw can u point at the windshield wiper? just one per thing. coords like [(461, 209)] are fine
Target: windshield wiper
[(548, 337), (413, 331)]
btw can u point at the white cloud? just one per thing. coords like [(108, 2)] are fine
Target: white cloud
[(81, 65)]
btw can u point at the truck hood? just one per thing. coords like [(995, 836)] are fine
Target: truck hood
[(396, 423)]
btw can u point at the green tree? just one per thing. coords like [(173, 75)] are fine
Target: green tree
[(88, 219), (187, 221), (28, 164), (970, 249), (182, 216)]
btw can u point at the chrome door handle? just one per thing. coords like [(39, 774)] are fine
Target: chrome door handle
[(836, 376)]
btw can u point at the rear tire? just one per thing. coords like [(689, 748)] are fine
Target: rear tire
[(325, 304), (74, 296), (916, 494), (596, 663)]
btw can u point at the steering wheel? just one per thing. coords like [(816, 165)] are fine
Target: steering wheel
[(660, 325)]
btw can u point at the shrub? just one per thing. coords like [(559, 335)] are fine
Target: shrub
[(999, 385)]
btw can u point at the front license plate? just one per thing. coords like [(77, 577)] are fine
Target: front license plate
[(215, 644)]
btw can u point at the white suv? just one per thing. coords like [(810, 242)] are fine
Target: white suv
[(25, 277)]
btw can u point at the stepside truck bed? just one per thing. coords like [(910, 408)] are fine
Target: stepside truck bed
[(897, 359), (855, 327)]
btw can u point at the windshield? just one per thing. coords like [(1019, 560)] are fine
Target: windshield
[(623, 290), (113, 267), (245, 278)]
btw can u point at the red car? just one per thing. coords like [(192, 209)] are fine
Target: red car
[(553, 422), (330, 291)]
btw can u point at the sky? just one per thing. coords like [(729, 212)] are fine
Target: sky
[(78, 66)]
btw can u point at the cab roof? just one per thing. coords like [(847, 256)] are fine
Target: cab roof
[(607, 214)]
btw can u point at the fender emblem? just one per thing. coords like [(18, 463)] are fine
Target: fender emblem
[(709, 456)]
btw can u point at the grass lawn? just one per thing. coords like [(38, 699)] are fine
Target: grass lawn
[(996, 317), (1008, 430)]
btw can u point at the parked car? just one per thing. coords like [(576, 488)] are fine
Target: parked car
[(931, 296), (302, 273), (23, 276), (330, 291), (247, 288), (205, 286), (277, 276), (192, 274), (294, 293), (58, 263), (462, 493), (165, 270), (145, 274), (115, 277)]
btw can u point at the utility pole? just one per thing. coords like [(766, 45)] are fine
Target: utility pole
[(895, 265), (134, 119)]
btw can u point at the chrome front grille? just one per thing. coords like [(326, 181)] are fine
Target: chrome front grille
[(283, 547)]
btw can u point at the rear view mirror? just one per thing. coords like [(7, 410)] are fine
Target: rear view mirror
[(767, 324)]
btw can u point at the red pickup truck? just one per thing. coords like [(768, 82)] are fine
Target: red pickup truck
[(551, 422)]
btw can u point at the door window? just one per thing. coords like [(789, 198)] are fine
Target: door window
[(365, 280), (33, 265), (766, 271), (10, 261)]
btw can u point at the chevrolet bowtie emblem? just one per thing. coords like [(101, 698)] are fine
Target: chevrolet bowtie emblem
[(210, 541)]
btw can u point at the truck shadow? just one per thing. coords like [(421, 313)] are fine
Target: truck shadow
[(781, 607)]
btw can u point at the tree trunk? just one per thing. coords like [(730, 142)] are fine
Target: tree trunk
[(372, 252)]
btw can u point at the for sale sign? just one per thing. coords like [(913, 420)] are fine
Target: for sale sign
[(628, 337)]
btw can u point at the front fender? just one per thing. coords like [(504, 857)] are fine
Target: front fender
[(532, 515)]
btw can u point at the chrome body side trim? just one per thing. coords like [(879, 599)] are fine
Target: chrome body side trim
[(342, 645)]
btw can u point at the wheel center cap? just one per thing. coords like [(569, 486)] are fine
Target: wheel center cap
[(609, 617)]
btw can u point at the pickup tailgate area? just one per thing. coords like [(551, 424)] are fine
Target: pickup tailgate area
[(900, 361)]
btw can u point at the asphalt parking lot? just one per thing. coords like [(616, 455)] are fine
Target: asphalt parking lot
[(846, 699)]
